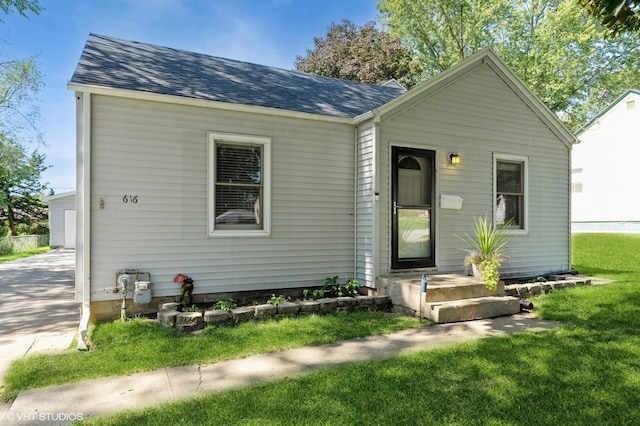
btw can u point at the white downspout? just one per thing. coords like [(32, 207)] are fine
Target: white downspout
[(83, 259)]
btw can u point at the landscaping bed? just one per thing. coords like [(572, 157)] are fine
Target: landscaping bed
[(544, 286), (194, 318)]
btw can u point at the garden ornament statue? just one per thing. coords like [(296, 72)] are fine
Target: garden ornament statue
[(186, 288)]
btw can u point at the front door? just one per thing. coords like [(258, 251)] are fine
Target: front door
[(413, 188)]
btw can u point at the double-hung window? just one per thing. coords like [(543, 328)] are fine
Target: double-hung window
[(239, 185), (510, 191)]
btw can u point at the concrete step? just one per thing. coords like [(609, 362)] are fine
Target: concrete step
[(460, 290), (440, 288), (471, 309)]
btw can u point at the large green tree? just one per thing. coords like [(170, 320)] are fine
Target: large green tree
[(20, 186), (365, 54), (21, 165), (553, 46)]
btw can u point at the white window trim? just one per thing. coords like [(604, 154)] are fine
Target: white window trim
[(212, 137), (525, 209)]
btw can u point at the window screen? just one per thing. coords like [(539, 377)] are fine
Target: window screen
[(510, 187), (238, 186)]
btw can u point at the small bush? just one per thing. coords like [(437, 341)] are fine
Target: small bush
[(22, 229), (40, 228), (225, 304), (6, 246), (333, 288), (277, 300), (314, 294)]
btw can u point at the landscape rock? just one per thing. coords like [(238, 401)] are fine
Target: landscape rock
[(265, 311), (189, 321), (217, 317), (167, 317)]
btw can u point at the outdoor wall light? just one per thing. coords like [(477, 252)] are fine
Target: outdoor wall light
[(454, 158)]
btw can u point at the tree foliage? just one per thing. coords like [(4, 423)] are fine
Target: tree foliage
[(552, 45), (20, 185), (20, 6), (20, 167), (617, 15), (363, 54)]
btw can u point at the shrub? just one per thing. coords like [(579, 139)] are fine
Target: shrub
[(277, 300), (333, 288), (22, 229), (6, 246), (40, 228), (225, 304)]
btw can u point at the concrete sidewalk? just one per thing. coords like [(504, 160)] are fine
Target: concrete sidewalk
[(63, 404)]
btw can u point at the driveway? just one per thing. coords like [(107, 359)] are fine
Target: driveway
[(37, 308)]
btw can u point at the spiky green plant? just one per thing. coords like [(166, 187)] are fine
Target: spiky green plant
[(486, 250)]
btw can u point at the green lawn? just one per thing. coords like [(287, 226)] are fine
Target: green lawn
[(26, 253), (143, 345), (585, 372)]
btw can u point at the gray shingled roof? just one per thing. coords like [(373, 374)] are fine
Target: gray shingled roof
[(121, 64)]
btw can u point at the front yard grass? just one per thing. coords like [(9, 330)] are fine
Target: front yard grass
[(26, 253), (142, 345), (585, 372)]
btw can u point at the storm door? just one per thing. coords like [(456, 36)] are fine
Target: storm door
[(413, 188)]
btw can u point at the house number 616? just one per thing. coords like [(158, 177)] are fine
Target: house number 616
[(130, 199)]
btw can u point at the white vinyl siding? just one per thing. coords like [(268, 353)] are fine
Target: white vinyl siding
[(365, 205), (477, 116), (158, 152), (606, 196)]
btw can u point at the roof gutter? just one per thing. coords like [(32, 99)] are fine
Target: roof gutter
[(228, 106)]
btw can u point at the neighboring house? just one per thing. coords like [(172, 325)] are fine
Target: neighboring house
[(248, 177), (62, 219), (605, 195)]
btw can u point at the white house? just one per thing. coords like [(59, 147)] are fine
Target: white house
[(62, 219), (247, 177), (605, 195)]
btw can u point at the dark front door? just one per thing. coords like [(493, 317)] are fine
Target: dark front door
[(413, 188)]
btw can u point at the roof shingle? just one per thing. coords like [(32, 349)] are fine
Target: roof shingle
[(122, 64)]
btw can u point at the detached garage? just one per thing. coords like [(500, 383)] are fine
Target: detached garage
[(62, 219)]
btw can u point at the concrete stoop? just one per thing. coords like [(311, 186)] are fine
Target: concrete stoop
[(449, 298), (472, 309)]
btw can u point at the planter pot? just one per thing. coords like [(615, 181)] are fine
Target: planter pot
[(477, 272)]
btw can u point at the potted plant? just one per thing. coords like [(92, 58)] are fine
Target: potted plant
[(487, 250)]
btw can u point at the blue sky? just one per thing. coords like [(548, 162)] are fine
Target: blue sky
[(269, 32)]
